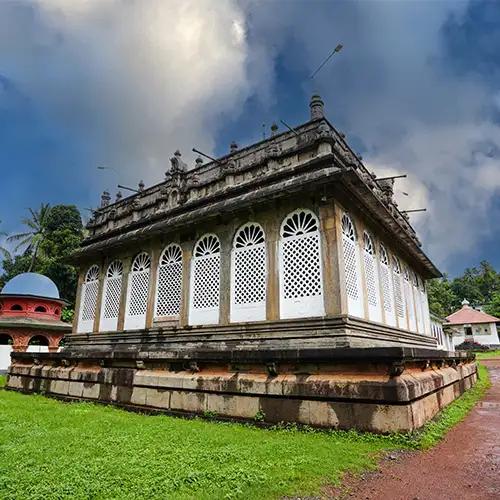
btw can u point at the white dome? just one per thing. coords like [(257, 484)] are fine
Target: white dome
[(31, 284)]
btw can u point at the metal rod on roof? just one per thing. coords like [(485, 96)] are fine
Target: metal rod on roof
[(391, 177), (289, 128), (128, 189), (338, 48), (414, 210), (205, 155)]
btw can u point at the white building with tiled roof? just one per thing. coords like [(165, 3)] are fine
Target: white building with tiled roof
[(474, 325)]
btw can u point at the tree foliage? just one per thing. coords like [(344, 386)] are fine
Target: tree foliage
[(479, 285), (61, 232)]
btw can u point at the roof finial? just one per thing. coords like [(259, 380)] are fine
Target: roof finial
[(465, 303), (233, 147), (141, 186), (317, 107), (274, 129), (119, 196), (105, 199)]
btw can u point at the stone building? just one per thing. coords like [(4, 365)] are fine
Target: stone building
[(30, 316), (473, 325), (280, 279)]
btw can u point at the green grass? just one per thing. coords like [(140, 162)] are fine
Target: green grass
[(50, 449), (488, 354)]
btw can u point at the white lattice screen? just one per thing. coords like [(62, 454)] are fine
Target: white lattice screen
[(425, 309), (205, 282), (248, 274), (399, 294), (410, 303), (112, 296), (137, 292), (386, 287), (418, 302), (371, 279), (352, 270), (301, 280), (169, 289), (88, 301)]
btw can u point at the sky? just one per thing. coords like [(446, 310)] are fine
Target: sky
[(124, 83)]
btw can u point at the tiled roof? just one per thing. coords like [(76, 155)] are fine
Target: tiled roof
[(468, 315)]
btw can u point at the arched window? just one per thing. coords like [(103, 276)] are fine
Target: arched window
[(248, 274), (371, 279), (398, 293), (38, 343), (112, 296), (386, 287), (418, 302), (169, 291), (40, 309), (205, 281), (16, 307), (352, 272), (137, 292), (301, 279), (410, 303), (88, 301), (425, 307)]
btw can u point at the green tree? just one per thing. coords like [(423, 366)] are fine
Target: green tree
[(32, 239), (493, 306), (442, 299)]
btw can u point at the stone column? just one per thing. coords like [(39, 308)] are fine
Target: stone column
[(272, 230), (187, 253), (127, 264), (102, 276), (78, 299), (153, 283), (225, 277), (330, 260)]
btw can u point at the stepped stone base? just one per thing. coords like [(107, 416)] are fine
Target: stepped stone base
[(377, 389)]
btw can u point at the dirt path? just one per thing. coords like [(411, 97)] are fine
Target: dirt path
[(465, 465)]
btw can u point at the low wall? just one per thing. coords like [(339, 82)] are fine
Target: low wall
[(380, 390)]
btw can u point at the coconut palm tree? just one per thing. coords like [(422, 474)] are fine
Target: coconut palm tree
[(3, 251), (31, 239)]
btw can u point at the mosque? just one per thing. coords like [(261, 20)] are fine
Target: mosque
[(280, 280), (30, 317)]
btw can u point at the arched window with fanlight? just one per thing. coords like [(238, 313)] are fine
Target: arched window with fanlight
[(352, 271), (137, 292), (169, 288), (112, 292), (88, 300), (204, 297), (410, 303), (418, 303), (248, 274), (386, 287), (371, 279), (300, 269), (399, 298)]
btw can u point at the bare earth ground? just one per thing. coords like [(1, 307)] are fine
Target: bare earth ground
[(465, 465)]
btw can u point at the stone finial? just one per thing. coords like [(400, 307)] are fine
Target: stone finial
[(141, 186), (317, 107), (234, 147), (199, 161), (177, 164), (387, 188), (119, 196), (274, 129), (105, 199), (465, 303)]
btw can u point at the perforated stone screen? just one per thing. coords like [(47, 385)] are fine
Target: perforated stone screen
[(169, 291), (137, 294), (112, 296), (88, 301)]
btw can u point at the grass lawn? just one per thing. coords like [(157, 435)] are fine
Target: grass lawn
[(488, 354), (50, 449)]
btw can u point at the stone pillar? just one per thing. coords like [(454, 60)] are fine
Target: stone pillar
[(78, 299), (102, 276), (330, 260), (225, 277), (153, 283), (272, 231), (127, 264), (187, 253)]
